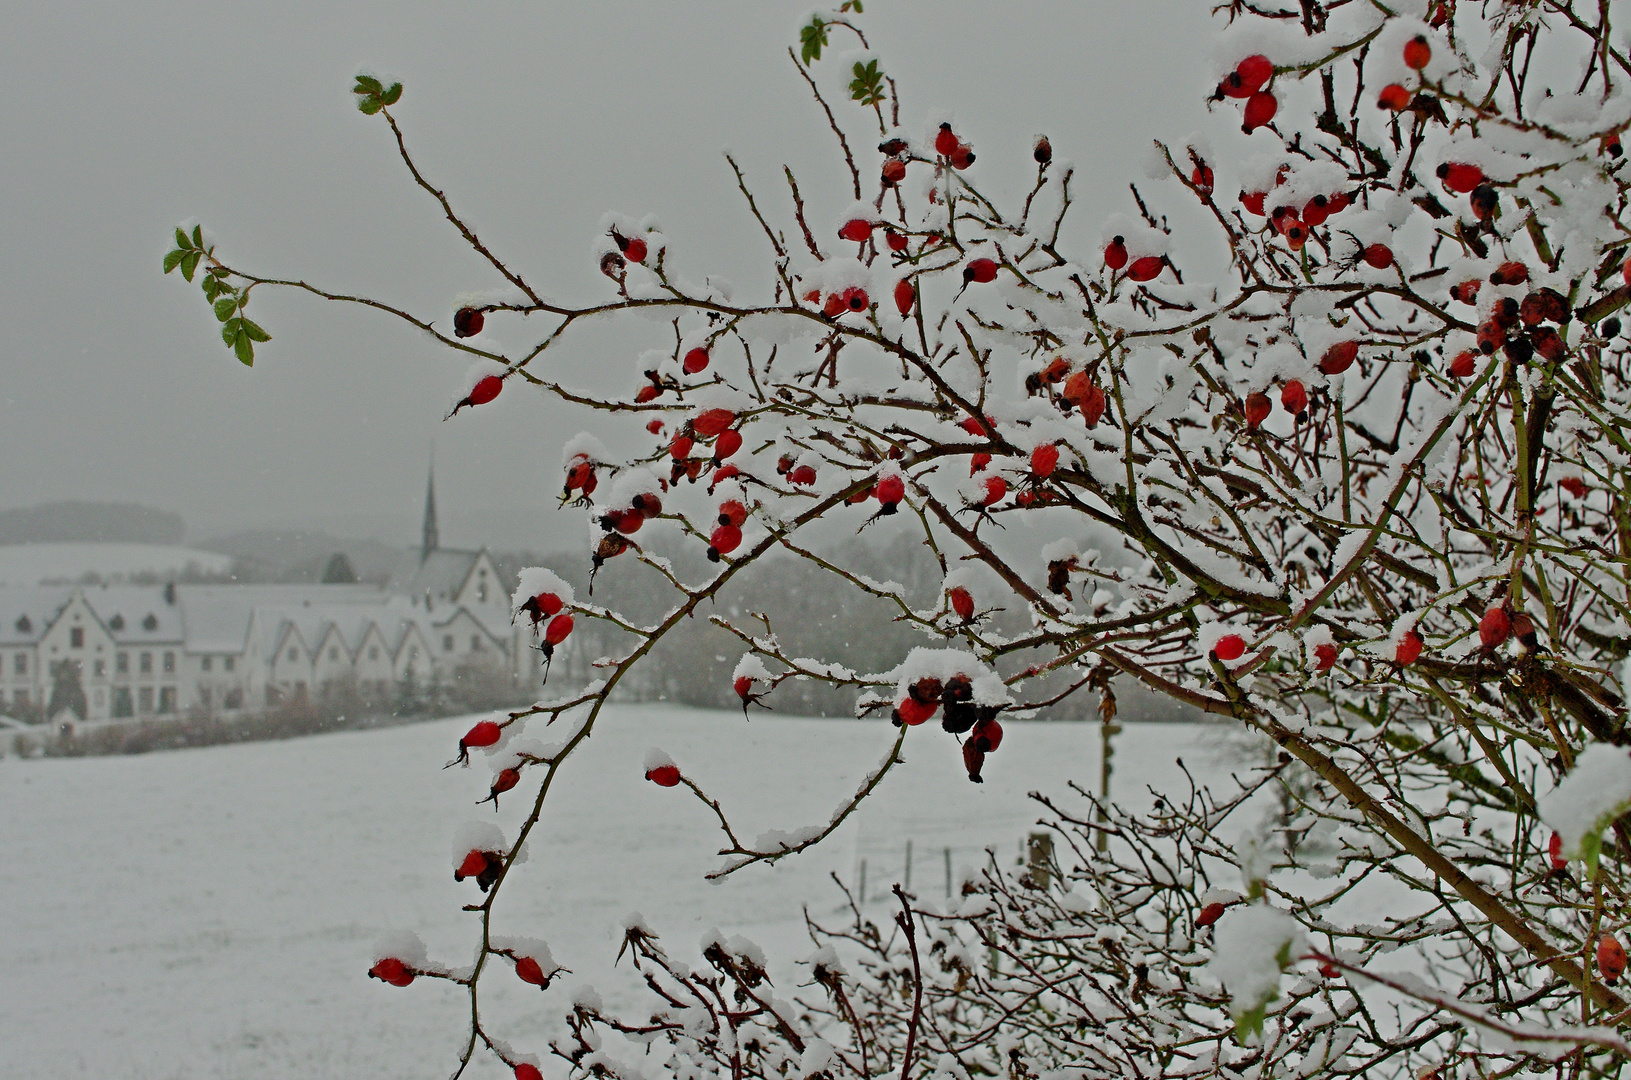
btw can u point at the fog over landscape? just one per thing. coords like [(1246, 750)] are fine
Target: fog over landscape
[(938, 539), (536, 119), (253, 618)]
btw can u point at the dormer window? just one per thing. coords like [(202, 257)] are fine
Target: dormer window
[(150, 623), (25, 625), (116, 623)]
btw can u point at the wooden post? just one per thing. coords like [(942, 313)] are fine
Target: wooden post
[(1108, 728), (863, 884), (1039, 859), (948, 873), (908, 884)]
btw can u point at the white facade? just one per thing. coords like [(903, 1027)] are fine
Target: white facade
[(144, 651)]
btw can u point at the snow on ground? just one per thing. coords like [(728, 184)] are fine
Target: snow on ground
[(33, 564), (209, 913)]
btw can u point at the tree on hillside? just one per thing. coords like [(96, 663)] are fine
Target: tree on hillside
[(339, 570), (1369, 487)]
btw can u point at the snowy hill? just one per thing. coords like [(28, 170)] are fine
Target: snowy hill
[(35, 564)]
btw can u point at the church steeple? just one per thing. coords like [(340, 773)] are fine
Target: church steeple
[(430, 542)]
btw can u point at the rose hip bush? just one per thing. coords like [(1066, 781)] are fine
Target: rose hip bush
[(1362, 493)]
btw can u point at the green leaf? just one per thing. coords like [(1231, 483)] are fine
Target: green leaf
[(212, 288), (198, 237), (225, 306), (245, 350), (367, 84), (255, 332), (1249, 1024), (867, 86), (218, 271), (182, 242), (189, 263), (813, 38), (370, 105), (173, 260), (229, 331), (393, 95)]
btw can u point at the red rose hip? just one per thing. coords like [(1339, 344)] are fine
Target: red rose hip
[(1260, 110), (1408, 649), (1229, 647), (1417, 52), (664, 775), (981, 271), (1294, 397), (391, 970)]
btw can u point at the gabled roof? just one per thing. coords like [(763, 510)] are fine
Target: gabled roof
[(137, 614), (26, 613), (217, 616), (441, 574)]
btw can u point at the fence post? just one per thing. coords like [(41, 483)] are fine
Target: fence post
[(908, 884), (863, 883), (1039, 858), (948, 873), (1108, 729)]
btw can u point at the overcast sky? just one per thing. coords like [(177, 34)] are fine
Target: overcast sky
[(119, 121)]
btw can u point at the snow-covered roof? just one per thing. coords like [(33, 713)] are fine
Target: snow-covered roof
[(220, 618), (137, 614), (441, 574), (27, 612)]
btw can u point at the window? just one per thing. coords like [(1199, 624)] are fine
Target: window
[(76, 638), (167, 699), (144, 700), (205, 663), (100, 667), (447, 642), (169, 663), (294, 654), (373, 652), (228, 663), (19, 663), (475, 643), (333, 654), (145, 663), (22, 699), (121, 663), (234, 699), (481, 592), (121, 702)]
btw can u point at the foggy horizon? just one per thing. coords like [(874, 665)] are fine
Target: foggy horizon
[(124, 123)]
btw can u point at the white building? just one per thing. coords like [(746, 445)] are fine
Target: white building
[(142, 651)]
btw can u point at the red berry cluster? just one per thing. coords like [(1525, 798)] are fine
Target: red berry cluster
[(955, 695)]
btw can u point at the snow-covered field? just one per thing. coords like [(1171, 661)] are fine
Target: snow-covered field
[(209, 913), (31, 564)]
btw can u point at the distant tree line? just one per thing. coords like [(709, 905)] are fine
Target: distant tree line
[(812, 612)]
